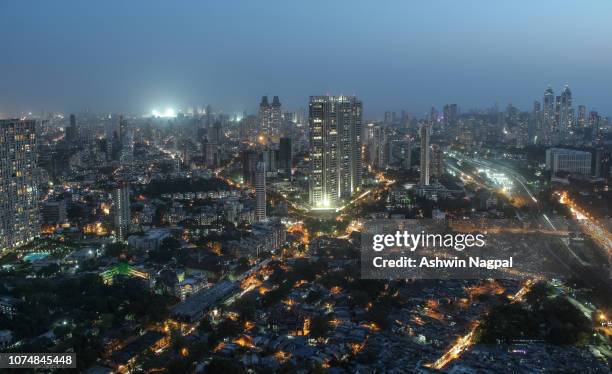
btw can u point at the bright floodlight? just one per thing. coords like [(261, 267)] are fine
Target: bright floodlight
[(169, 113)]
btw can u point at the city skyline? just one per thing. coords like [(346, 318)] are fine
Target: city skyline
[(401, 61)]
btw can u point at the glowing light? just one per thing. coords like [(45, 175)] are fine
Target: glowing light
[(168, 113)]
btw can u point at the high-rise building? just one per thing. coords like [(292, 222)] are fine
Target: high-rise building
[(335, 149), (548, 115), (121, 199), (582, 116), (270, 157), (210, 117), (451, 116), (377, 146), (557, 123), (425, 155), (595, 125), (285, 156), (407, 154), (265, 116), (437, 161), (276, 117), (535, 133), (566, 115), (270, 117), (249, 160), (19, 216), (72, 131), (260, 192), (215, 133)]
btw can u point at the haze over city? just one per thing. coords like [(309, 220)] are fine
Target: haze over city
[(117, 56)]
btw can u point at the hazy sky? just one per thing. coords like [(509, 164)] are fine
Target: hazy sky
[(121, 56)]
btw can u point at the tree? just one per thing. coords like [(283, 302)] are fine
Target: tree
[(115, 249), (538, 294), (320, 326), (565, 324), (507, 323), (224, 365)]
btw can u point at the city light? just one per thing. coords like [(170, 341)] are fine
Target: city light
[(168, 113)]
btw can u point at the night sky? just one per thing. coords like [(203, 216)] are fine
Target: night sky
[(134, 56)]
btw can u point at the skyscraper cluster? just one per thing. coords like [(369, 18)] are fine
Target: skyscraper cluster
[(335, 124), (558, 123), (19, 218)]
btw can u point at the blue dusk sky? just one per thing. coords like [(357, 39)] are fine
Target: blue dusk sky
[(133, 56)]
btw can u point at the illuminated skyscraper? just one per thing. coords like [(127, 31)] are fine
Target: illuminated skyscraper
[(121, 198), (425, 155), (335, 149), (265, 116), (566, 112), (582, 116), (270, 117), (548, 115), (260, 192), (276, 117), (19, 216)]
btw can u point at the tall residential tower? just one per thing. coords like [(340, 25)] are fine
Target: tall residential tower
[(335, 149), (425, 155), (19, 216), (121, 199), (260, 192)]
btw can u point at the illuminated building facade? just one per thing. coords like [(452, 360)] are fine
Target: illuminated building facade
[(260, 192), (335, 149), (270, 116), (121, 199), (19, 216), (425, 156)]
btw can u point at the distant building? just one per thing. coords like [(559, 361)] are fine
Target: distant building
[(276, 116), (437, 161), (121, 200), (270, 116), (602, 163), (150, 241), (19, 215), (260, 192), (285, 157), (265, 121), (54, 212), (548, 126), (378, 146), (72, 131), (425, 155), (568, 160), (249, 160)]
